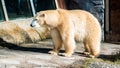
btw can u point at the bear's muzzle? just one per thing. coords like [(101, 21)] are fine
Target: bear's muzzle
[(34, 23)]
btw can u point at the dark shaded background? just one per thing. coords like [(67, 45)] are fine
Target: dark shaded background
[(114, 35)]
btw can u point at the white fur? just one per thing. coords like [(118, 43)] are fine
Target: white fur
[(68, 26)]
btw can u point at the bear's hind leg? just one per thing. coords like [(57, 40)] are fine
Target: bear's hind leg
[(87, 48), (95, 49), (57, 42)]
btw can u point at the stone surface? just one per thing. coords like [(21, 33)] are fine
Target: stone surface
[(36, 56), (102, 65)]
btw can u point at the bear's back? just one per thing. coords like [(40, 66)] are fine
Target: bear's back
[(85, 24)]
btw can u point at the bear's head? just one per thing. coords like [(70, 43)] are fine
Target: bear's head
[(48, 18)]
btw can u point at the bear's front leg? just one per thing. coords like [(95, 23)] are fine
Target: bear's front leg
[(57, 41), (69, 48), (69, 42)]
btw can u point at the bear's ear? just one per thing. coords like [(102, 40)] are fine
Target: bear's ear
[(42, 15)]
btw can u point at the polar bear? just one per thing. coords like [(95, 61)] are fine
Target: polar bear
[(68, 26)]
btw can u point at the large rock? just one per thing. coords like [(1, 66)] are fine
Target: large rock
[(19, 31)]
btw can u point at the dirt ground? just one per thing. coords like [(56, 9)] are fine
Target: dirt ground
[(35, 55)]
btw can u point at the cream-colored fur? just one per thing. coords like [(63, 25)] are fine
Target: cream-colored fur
[(66, 26)]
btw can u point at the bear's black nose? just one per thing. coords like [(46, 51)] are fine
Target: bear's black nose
[(33, 23)]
